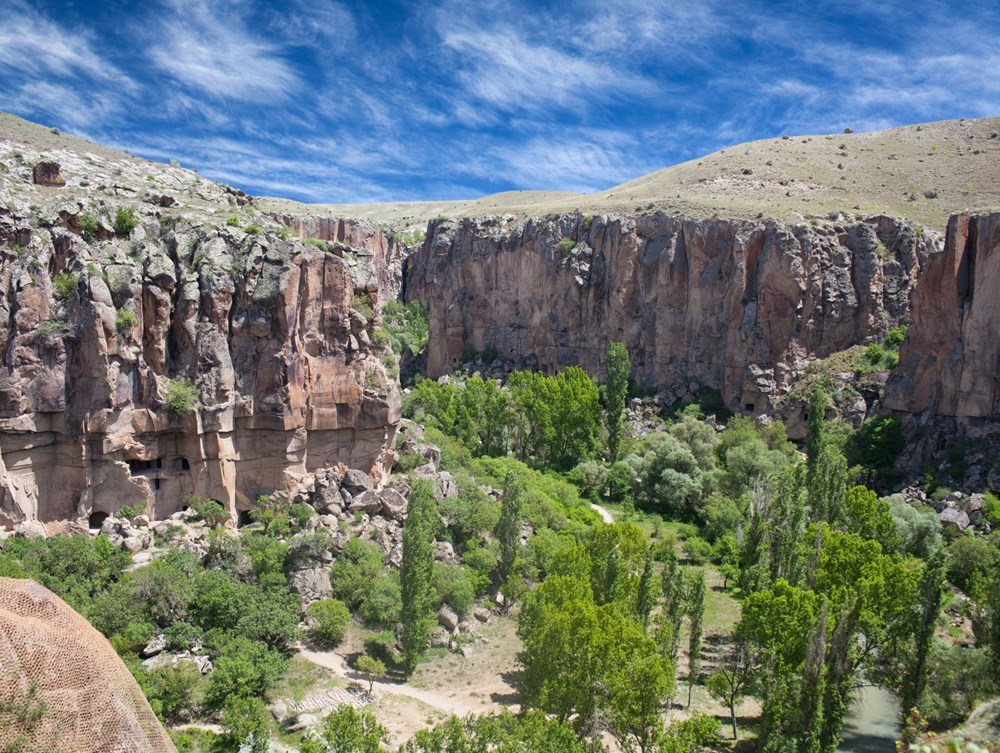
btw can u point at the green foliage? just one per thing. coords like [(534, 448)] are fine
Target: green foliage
[(207, 509), (508, 531), (348, 729), (53, 327), (971, 562), (125, 222), (696, 615), (252, 229), (64, 283), (233, 221), (364, 304), (374, 668), (406, 327), (125, 320), (331, 620), (530, 732), (696, 733), (172, 690), (416, 575), (181, 396), (564, 247), (875, 447), (619, 368), (359, 565), (669, 477), (244, 669), (247, 724), (454, 587), (382, 604), (89, 226)]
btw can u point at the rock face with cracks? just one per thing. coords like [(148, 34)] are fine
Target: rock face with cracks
[(184, 357), (736, 306), (949, 365)]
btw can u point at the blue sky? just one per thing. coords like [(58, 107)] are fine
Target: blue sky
[(322, 100)]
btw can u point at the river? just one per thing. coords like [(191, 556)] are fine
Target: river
[(872, 723)]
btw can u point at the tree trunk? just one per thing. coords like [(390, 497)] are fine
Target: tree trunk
[(732, 714)]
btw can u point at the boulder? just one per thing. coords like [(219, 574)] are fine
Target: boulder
[(447, 618), (154, 647), (48, 174), (356, 481), (445, 552), (481, 613), (30, 529), (394, 504), (311, 584), (952, 517), (369, 502)]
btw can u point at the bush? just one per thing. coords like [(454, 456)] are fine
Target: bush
[(697, 550), (332, 618), (171, 690), (233, 221), (181, 396), (454, 587), (252, 229), (382, 602), (64, 283), (207, 509), (126, 320), (89, 226), (125, 222), (564, 247)]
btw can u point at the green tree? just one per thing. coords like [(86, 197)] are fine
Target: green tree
[(647, 590), (669, 479), (350, 731), (372, 668), (730, 683), (331, 620), (928, 609), (416, 575), (696, 615), (618, 371), (508, 529), (672, 582), (246, 723), (815, 433), (243, 669), (530, 732)]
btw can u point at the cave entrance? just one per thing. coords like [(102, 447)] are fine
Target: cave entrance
[(96, 520), (749, 407), (243, 518)]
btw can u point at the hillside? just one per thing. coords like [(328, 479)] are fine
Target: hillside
[(922, 172)]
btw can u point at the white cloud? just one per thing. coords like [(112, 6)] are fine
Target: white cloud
[(206, 45)]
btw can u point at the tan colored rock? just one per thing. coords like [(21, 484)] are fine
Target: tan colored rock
[(48, 174), (738, 306), (949, 363)]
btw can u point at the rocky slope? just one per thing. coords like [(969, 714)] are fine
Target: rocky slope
[(738, 306), (107, 327), (949, 365)]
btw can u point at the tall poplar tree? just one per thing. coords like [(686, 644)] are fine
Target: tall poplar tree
[(619, 368), (416, 575)]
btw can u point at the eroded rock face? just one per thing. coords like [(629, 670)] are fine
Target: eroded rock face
[(950, 362), (736, 306), (284, 375)]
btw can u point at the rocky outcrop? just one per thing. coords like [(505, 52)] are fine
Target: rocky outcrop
[(740, 307), (949, 365), (189, 357)]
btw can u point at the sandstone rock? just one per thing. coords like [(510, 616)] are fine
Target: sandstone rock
[(792, 294), (48, 174), (445, 552), (356, 481), (140, 521), (30, 529), (311, 584), (447, 618), (439, 638), (481, 613), (952, 517), (154, 647), (279, 710), (394, 504), (370, 502), (442, 483)]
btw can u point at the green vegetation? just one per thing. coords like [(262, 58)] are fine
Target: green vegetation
[(564, 247), (406, 327), (181, 396), (89, 226), (125, 320), (415, 576), (619, 370), (331, 619), (125, 222), (64, 283)]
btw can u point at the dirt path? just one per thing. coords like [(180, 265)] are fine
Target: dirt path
[(605, 515), (449, 705)]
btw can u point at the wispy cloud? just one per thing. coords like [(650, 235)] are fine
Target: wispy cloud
[(207, 46)]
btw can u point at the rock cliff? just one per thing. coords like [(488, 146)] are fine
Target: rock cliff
[(204, 350), (949, 365), (738, 306)]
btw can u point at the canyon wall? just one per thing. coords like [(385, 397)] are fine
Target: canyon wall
[(101, 332), (949, 365), (736, 306)]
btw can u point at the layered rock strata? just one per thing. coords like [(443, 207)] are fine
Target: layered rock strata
[(740, 307), (949, 365), (105, 334)]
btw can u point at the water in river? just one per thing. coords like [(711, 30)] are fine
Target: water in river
[(871, 725)]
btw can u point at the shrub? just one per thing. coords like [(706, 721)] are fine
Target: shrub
[(382, 603), (181, 396), (364, 304), (454, 587), (126, 320), (697, 550), (171, 690), (53, 328), (252, 229), (64, 283), (331, 620), (895, 336), (125, 222), (89, 226), (207, 509), (233, 221), (564, 247)]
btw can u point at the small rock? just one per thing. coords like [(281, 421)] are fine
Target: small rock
[(952, 517), (140, 521), (278, 710), (466, 652), (482, 614), (30, 529), (154, 647), (356, 481)]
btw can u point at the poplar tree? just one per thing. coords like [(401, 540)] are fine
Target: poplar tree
[(647, 596), (696, 614), (416, 575), (618, 371), (508, 531)]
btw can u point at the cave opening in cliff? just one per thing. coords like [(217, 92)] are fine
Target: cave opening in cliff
[(96, 520), (243, 518), (182, 464), (749, 407)]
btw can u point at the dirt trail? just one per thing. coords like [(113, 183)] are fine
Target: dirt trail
[(605, 515), (459, 706)]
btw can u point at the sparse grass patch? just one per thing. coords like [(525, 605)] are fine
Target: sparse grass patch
[(564, 247), (126, 319), (181, 396), (64, 283)]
